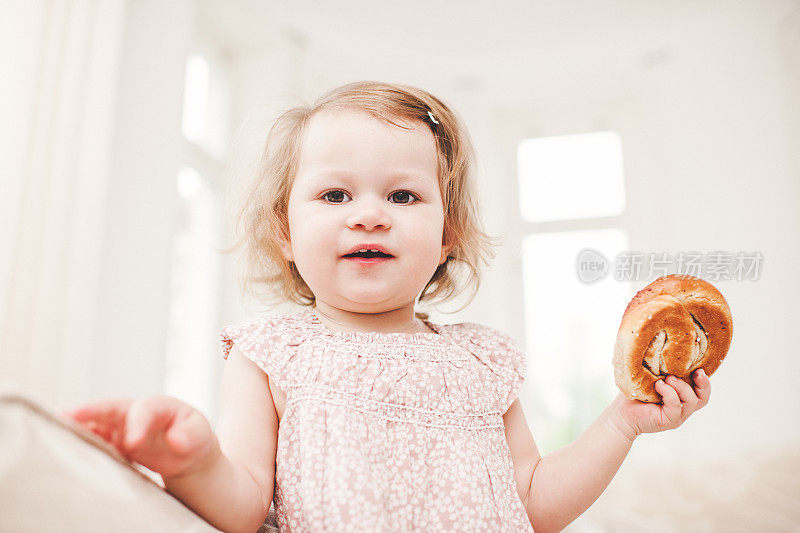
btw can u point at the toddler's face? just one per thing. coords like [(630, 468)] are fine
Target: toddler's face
[(362, 182)]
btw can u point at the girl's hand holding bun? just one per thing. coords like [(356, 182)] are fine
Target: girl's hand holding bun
[(679, 401), (161, 433), (673, 335)]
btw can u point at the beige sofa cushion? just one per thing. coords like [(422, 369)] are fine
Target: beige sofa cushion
[(57, 476)]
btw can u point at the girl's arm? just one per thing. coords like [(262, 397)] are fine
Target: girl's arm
[(224, 494), (228, 480), (233, 490), (569, 480)]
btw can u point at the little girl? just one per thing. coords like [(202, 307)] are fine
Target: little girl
[(358, 413)]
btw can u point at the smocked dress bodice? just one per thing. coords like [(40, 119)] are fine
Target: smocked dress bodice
[(389, 431)]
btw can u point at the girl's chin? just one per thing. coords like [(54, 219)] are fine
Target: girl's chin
[(370, 303)]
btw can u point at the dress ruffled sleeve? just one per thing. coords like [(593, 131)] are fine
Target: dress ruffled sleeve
[(270, 342), (501, 353)]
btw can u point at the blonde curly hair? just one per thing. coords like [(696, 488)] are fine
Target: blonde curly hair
[(262, 222)]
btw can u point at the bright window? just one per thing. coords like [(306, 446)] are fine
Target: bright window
[(571, 327), (195, 97), (192, 344), (573, 303), (571, 177), (193, 359), (205, 104)]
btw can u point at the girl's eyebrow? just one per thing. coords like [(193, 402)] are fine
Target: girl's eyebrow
[(331, 172), (394, 177)]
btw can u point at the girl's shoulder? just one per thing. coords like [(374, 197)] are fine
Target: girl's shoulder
[(491, 345), (482, 335), (271, 342), (499, 352), (265, 329), (269, 322)]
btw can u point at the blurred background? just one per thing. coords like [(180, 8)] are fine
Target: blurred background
[(609, 134)]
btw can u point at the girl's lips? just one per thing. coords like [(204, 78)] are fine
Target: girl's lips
[(368, 260)]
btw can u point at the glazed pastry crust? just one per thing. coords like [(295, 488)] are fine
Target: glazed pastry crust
[(675, 325)]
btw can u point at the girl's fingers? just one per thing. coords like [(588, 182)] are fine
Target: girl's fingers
[(702, 387), (108, 412), (684, 390), (145, 418), (95, 428), (671, 401), (105, 432), (104, 418), (188, 432)]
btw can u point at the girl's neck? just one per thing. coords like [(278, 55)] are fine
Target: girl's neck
[(400, 320)]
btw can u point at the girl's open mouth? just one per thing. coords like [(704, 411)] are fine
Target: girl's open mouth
[(368, 258)]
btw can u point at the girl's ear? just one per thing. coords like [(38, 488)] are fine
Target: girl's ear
[(446, 248), (281, 232), (286, 249)]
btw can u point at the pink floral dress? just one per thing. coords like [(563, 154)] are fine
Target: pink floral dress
[(390, 431)]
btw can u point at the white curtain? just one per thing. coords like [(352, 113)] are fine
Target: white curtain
[(59, 68)]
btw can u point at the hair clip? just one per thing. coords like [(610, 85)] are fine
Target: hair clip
[(432, 119)]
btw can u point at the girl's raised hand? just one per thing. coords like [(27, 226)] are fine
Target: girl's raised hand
[(679, 401), (161, 433)]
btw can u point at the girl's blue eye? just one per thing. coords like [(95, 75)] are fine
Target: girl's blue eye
[(335, 197), (402, 197)]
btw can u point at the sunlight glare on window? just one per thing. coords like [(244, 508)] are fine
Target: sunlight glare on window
[(195, 97), (571, 177), (189, 183), (571, 327), (192, 351)]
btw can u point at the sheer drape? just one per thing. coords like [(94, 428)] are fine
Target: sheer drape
[(60, 96)]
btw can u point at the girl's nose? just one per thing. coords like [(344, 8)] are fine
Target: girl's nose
[(369, 215)]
